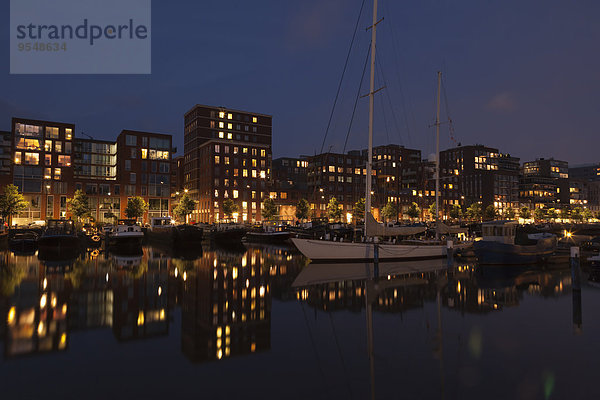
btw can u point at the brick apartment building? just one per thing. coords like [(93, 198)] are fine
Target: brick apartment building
[(227, 155), (50, 164), (545, 182)]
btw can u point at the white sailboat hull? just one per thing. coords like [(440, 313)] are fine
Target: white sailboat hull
[(326, 251)]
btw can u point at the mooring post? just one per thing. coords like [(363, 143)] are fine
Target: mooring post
[(450, 253)]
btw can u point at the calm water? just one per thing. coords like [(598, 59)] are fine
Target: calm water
[(260, 323)]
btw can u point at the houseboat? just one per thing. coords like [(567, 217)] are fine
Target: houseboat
[(126, 234)]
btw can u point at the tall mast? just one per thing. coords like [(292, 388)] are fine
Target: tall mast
[(437, 155), (371, 103)]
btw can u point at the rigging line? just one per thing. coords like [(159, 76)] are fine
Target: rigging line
[(337, 344), (396, 58), (357, 97), (387, 133), (390, 103), (343, 73), (314, 346)]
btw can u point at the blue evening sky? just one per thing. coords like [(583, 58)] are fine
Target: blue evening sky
[(522, 76)]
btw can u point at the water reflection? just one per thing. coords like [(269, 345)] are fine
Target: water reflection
[(217, 303)]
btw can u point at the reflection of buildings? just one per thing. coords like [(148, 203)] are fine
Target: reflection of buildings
[(226, 301), (36, 310), (140, 299)]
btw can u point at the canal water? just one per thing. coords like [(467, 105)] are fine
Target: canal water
[(259, 322)]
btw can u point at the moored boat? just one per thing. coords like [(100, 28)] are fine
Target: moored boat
[(163, 231), (269, 233), (59, 236), (23, 241), (501, 246), (126, 234), (227, 234)]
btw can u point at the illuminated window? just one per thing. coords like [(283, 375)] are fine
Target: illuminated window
[(51, 132), (64, 161), (28, 144), (48, 145), (47, 173), (229, 126), (254, 162), (58, 146), (32, 158), (221, 125), (244, 205), (216, 193), (68, 134), (263, 153), (254, 173), (229, 136), (263, 174), (254, 119), (221, 114), (57, 173), (245, 150), (18, 157), (144, 154), (48, 159), (221, 135), (229, 116), (235, 194), (217, 159), (226, 160), (331, 168), (245, 173)]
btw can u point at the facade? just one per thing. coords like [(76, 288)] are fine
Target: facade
[(545, 182), (290, 184), (342, 176), (227, 155), (5, 157), (50, 164), (590, 172), (478, 174)]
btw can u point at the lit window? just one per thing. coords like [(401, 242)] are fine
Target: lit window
[(68, 134), (254, 119), (221, 114), (229, 126), (48, 145), (217, 148), (229, 116), (244, 205), (221, 124), (216, 193), (245, 173), (47, 173), (144, 154), (254, 173), (57, 173), (245, 150), (263, 174), (217, 159), (221, 135), (32, 158), (263, 153), (48, 159), (52, 132), (18, 157), (229, 136), (226, 160), (58, 147), (64, 161), (235, 194)]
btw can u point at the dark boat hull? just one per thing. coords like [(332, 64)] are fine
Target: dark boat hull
[(179, 236), (228, 236), (496, 253), (268, 237)]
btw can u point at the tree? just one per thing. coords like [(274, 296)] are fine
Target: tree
[(185, 207), (490, 213), (11, 203), (539, 214), (455, 212), (576, 214), (474, 211), (432, 211), (565, 213), (302, 209), (269, 209), (509, 213), (358, 212), (229, 208), (586, 214), (79, 205), (552, 214), (136, 207), (390, 211), (334, 210), (413, 211), (524, 213)]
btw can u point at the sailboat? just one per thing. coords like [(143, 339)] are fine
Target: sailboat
[(370, 250)]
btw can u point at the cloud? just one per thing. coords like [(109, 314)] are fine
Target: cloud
[(502, 102), (314, 22)]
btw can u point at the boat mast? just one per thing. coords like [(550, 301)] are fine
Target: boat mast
[(371, 104), (437, 156)]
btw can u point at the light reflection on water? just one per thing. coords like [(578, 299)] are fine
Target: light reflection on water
[(251, 313)]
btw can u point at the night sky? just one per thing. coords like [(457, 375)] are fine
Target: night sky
[(522, 76)]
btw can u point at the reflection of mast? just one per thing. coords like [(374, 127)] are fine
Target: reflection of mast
[(369, 312), (439, 341)]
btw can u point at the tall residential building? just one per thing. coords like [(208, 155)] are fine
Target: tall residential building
[(545, 182), (42, 167), (478, 174), (227, 155), (6, 139)]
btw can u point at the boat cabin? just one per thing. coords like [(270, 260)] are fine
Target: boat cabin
[(499, 231), (127, 225), (60, 227)]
